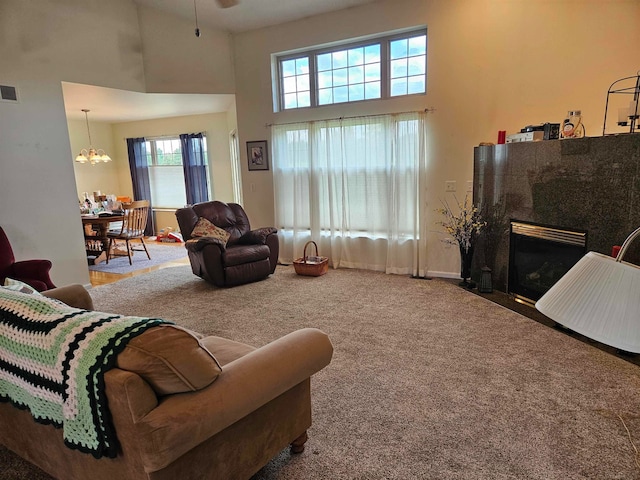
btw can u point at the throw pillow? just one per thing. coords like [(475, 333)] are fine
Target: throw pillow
[(204, 228), (18, 286), (171, 359)]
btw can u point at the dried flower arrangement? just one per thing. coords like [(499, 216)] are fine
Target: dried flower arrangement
[(462, 226)]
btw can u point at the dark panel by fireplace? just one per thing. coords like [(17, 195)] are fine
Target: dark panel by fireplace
[(588, 184)]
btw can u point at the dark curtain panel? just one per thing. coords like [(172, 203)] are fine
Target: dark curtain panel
[(139, 167), (195, 169)]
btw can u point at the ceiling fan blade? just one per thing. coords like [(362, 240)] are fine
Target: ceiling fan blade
[(226, 3)]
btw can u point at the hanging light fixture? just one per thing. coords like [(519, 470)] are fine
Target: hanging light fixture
[(92, 155)]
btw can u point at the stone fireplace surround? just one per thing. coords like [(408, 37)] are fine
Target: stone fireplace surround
[(590, 184)]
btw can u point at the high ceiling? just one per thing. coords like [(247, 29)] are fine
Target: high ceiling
[(248, 14), (113, 106)]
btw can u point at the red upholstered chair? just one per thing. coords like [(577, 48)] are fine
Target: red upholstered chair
[(32, 272)]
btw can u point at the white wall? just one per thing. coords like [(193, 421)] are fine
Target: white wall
[(41, 44), (177, 61), (492, 65)]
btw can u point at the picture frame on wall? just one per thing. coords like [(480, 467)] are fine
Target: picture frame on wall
[(258, 155)]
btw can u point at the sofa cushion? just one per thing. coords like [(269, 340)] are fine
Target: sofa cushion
[(171, 359), (204, 228)]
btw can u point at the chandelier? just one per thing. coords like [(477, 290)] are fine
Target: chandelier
[(92, 155)]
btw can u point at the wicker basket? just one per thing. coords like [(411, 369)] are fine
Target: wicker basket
[(312, 266)]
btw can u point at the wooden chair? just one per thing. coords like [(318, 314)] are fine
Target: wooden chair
[(133, 225)]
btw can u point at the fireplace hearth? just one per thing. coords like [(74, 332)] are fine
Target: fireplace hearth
[(539, 255)]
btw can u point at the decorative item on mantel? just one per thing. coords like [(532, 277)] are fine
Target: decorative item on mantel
[(464, 227), (629, 113)]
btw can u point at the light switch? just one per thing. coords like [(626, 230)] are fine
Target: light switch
[(450, 186)]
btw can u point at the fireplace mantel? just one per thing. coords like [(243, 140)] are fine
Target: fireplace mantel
[(590, 183)]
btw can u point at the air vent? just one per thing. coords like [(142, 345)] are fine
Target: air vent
[(8, 94)]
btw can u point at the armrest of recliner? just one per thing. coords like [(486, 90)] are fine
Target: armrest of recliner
[(257, 236), (181, 422), (198, 243), (36, 269)]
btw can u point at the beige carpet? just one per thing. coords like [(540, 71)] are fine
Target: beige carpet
[(428, 381)]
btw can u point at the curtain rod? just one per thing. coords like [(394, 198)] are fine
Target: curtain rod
[(426, 110), (165, 135)]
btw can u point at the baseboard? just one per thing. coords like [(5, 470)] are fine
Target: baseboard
[(442, 274)]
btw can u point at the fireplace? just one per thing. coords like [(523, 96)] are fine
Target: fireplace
[(539, 256)]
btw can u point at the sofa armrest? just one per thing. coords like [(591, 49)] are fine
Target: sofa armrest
[(181, 422), (73, 295)]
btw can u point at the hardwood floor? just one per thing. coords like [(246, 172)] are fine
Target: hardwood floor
[(102, 278)]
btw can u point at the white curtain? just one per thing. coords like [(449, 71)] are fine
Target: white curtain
[(354, 186)]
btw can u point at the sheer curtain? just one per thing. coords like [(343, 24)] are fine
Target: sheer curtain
[(236, 176), (354, 186), (139, 168), (195, 168)]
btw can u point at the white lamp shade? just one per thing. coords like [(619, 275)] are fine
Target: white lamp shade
[(599, 298)]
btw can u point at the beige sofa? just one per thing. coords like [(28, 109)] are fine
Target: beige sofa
[(227, 428)]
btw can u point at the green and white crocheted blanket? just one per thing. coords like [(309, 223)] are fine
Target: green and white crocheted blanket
[(52, 362)]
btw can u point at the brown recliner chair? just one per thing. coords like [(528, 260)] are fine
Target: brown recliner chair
[(248, 256)]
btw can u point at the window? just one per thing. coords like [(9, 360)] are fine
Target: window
[(166, 172), (383, 67), (408, 65), (352, 185), (349, 75)]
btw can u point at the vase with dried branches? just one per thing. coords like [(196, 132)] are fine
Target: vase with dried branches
[(463, 226)]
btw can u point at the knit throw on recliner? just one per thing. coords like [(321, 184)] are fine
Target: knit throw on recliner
[(52, 362)]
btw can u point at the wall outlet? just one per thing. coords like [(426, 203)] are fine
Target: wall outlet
[(469, 186), (450, 186)]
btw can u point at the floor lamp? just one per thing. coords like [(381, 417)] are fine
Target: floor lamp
[(600, 299)]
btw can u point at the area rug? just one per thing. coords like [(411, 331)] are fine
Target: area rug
[(160, 253), (427, 381)]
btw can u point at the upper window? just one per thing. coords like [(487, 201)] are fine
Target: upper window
[(166, 172), (383, 67)]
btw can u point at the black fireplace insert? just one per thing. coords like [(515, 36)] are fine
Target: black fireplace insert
[(539, 255)]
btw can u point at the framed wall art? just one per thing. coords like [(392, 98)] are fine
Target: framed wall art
[(258, 155)]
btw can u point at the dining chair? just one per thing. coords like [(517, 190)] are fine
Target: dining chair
[(133, 226)]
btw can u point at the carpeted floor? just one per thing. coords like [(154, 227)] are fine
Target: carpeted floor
[(428, 381), (160, 253)]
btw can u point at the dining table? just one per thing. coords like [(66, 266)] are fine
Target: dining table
[(96, 227)]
